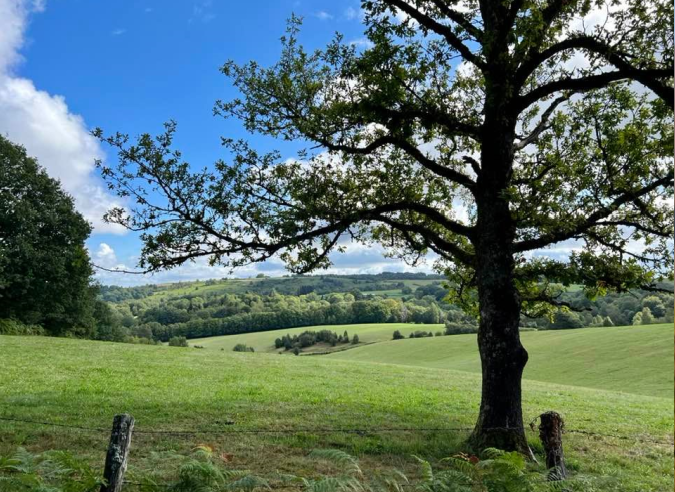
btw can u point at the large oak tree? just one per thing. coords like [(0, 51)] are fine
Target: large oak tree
[(479, 131)]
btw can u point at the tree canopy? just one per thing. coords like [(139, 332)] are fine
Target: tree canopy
[(45, 274), (591, 154)]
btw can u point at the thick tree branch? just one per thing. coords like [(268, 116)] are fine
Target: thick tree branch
[(440, 29), (409, 149), (458, 253), (590, 82), (593, 219), (647, 77), (459, 18)]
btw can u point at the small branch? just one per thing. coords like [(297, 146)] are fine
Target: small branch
[(118, 270), (458, 253), (473, 163), (543, 124)]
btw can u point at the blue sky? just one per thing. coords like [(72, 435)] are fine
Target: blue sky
[(67, 66)]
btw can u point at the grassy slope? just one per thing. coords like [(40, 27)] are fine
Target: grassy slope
[(631, 359), (264, 341), (83, 382)]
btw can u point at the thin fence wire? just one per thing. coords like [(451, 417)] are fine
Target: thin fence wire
[(321, 430)]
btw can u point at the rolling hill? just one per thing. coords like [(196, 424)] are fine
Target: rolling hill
[(590, 357), (627, 358), (263, 341)]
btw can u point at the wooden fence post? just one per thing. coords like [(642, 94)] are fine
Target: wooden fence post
[(118, 452), (550, 433)]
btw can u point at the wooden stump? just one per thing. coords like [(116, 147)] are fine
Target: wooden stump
[(118, 452), (550, 433)]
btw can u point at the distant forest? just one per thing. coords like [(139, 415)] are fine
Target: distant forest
[(151, 313)]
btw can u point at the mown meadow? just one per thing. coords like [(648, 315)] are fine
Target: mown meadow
[(623, 358), (221, 393), (264, 341)]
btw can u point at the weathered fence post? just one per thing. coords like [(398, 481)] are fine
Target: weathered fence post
[(118, 452), (550, 433)]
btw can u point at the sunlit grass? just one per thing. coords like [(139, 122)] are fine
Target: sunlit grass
[(86, 383)]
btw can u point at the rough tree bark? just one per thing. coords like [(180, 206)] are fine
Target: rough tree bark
[(503, 357)]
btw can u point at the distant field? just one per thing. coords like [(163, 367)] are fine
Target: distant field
[(202, 287), (84, 383), (394, 293), (631, 359), (264, 341)]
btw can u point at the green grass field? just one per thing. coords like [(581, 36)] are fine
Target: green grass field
[(590, 357), (630, 359), (85, 383), (392, 293), (264, 341)]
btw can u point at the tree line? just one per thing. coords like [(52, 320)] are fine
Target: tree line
[(212, 315), (204, 314)]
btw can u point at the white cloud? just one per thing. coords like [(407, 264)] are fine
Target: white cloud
[(356, 259), (353, 14), (202, 11), (362, 43), (105, 256), (323, 15), (118, 32), (43, 124), (13, 20)]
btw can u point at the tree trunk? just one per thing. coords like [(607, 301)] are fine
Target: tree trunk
[(503, 358)]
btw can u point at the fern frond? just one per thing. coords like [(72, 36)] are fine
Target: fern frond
[(345, 461), (462, 466), (335, 484), (493, 453), (249, 483), (427, 470)]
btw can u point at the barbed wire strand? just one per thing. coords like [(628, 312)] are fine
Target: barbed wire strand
[(324, 430)]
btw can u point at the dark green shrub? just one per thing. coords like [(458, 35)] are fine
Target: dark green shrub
[(178, 342), (398, 335), (459, 328), (242, 347), (355, 339), (14, 327)]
